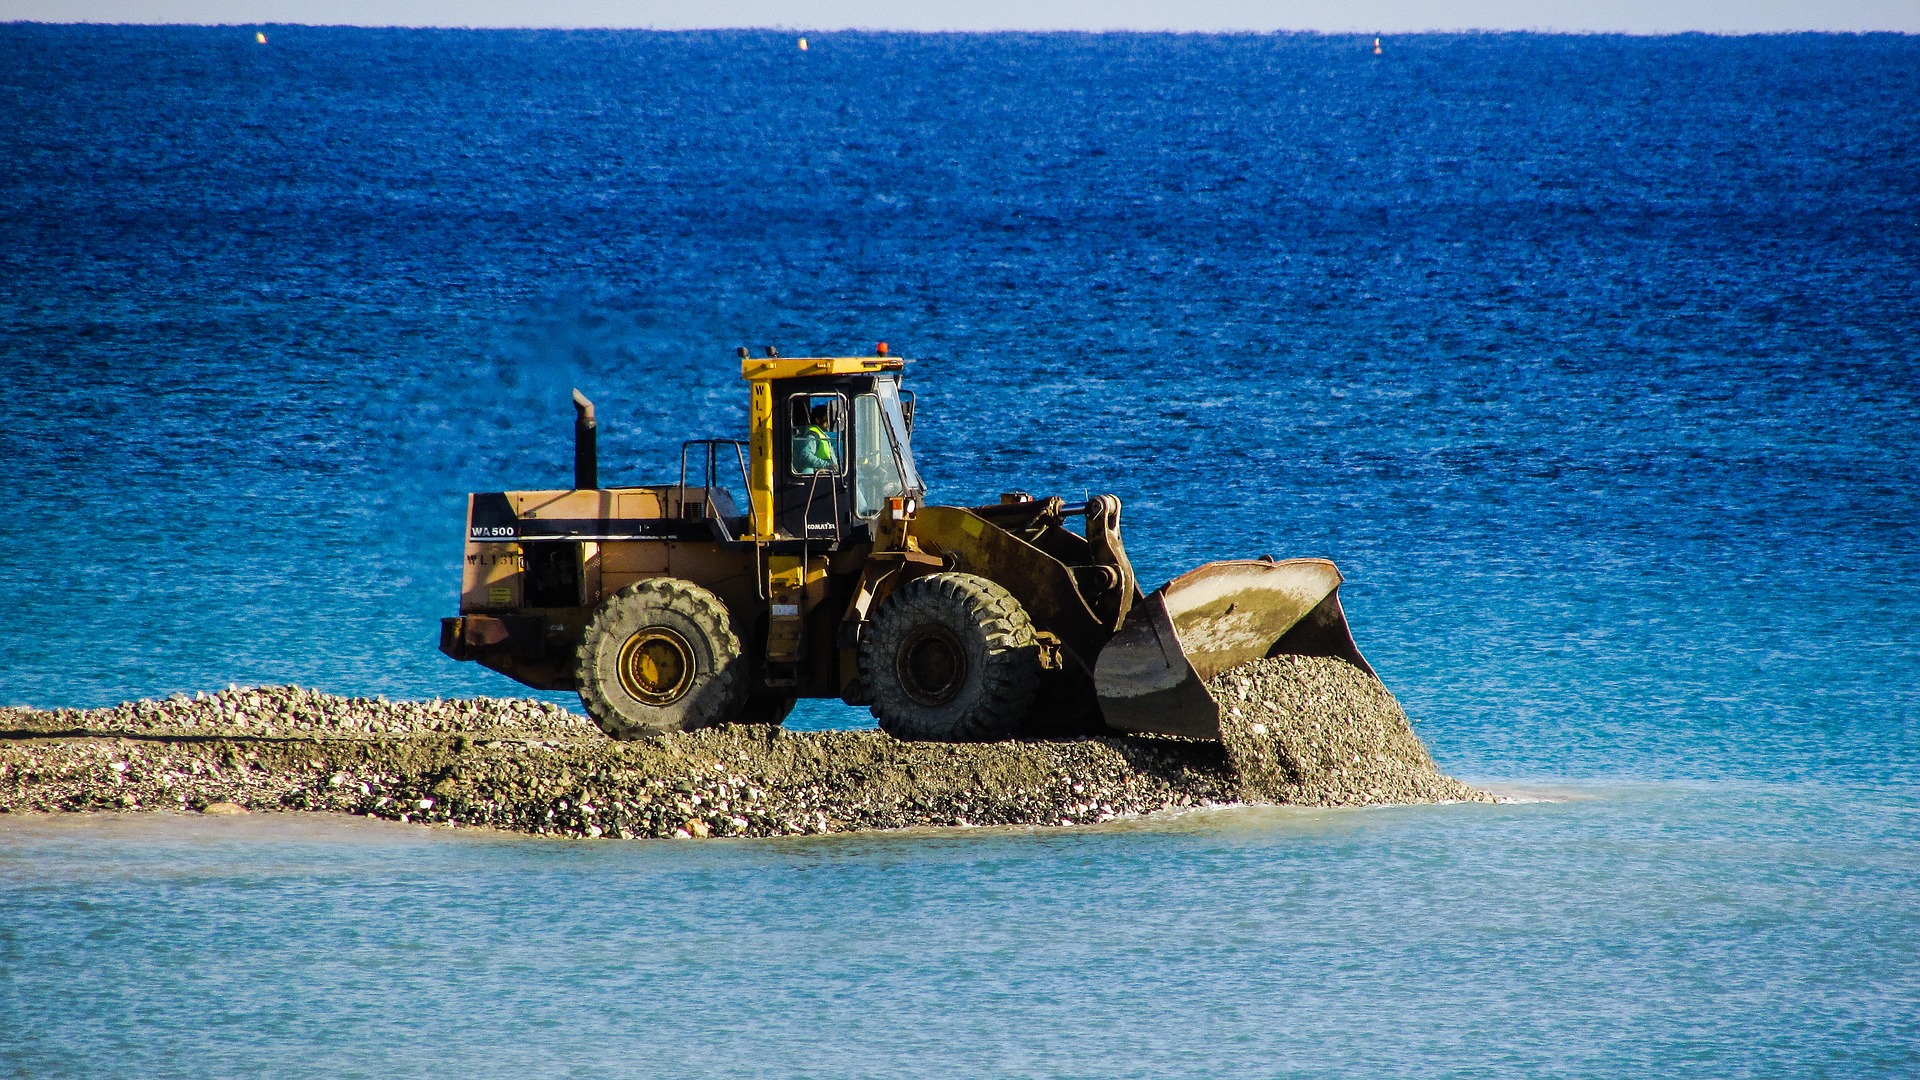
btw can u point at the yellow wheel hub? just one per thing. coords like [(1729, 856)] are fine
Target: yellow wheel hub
[(656, 666)]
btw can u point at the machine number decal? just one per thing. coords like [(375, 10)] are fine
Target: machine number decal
[(505, 558), (491, 532)]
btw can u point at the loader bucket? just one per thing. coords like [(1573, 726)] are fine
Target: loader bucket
[(1151, 676)]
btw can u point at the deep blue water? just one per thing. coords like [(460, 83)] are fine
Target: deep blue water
[(1591, 360)]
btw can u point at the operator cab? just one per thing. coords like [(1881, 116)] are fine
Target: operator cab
[(841, 450)]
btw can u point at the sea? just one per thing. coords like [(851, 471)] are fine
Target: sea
[(1593, 361)]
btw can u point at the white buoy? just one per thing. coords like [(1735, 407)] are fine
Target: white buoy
[(1376, 46), (803, 44)]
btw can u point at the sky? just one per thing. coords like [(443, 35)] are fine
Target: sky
[(1333, 16)]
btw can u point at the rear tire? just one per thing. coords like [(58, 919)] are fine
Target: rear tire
[(950, 657), (660, 655)]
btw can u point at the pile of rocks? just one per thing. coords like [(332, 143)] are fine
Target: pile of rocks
[(292, 710), (1316, 731), (1298, 730)]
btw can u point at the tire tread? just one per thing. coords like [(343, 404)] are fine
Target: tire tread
[(1008, 677), (691, 601)]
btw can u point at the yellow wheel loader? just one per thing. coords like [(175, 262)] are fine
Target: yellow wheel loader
[(670, 607)]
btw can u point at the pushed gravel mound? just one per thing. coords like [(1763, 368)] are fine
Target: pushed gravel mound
[(1332, 736), (1317, 731)]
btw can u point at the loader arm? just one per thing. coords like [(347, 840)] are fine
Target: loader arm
[(964, 540)]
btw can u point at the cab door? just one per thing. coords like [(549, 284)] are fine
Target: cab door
[(811, 489)]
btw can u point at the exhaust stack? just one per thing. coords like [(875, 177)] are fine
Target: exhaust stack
[(586, 450)]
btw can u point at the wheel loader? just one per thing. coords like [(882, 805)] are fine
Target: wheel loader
[(673, 606)]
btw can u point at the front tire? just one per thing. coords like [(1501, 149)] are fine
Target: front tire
[(950, 657), (660, 655)]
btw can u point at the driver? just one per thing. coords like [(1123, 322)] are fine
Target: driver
[(813, 446)]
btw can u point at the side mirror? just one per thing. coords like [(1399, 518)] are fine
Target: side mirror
[(906, 408)]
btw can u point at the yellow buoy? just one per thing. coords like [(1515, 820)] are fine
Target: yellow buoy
[(803, 44), (260, 37)]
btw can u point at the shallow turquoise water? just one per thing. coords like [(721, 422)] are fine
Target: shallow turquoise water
[(1627, 930)]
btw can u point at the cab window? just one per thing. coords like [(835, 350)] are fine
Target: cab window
[(818, 425), (876, 475)]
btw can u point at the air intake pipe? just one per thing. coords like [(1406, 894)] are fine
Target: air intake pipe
[(586, 451)]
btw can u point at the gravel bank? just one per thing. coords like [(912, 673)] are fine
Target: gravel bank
[(1332, 736), (1315, 731)]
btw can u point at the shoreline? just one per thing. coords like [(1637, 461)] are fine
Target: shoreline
[(528, 767), (324, 826)]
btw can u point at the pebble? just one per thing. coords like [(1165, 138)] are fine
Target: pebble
[(1313, 731)]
